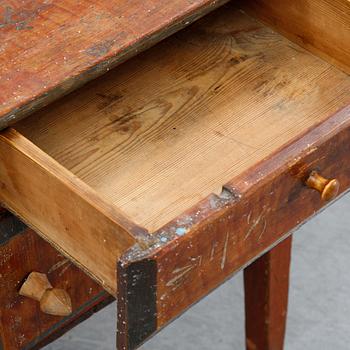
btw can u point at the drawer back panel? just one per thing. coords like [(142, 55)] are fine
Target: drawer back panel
[(321, 26)]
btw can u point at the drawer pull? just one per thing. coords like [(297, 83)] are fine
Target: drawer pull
[(328, 188), (53, 301)]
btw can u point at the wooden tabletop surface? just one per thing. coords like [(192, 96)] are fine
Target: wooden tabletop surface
[(48, 47)]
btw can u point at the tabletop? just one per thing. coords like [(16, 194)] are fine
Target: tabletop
[(48, 48)]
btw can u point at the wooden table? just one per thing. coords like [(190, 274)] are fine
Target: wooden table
[(160, 179)]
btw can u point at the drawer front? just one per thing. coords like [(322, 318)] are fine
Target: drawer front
[(224, 234), (22, 324)]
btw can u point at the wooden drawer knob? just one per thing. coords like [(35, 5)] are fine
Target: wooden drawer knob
[(328, 188), (53, 301)]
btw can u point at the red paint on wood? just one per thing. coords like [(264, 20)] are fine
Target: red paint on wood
[(266, 283), (22, 324), (48, 48)]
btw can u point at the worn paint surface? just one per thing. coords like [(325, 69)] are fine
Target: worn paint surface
[(48, 48), (270, 201), (22, 324), (266, 284)]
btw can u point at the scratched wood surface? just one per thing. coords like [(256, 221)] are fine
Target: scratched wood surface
[(50, 47), (228, 92), (22, 324)]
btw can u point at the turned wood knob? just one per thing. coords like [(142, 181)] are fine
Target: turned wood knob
[(53, 301), (328, 188)]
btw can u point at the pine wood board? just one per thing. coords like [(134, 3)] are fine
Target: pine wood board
[(62, 208), (321, 26)]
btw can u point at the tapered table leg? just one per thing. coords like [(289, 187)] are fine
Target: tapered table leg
[(266, 283)]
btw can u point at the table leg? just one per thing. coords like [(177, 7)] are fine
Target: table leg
[(266, 283)]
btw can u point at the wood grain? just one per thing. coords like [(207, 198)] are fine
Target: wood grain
[(266, 288), (223, 234), (63, 209), (228, 93), (22, 324), (321, 26), (234, 103), (48, 48)]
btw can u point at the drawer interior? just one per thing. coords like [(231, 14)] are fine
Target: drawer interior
[(166, 129)]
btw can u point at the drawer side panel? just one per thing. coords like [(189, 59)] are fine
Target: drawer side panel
[(59, 207)]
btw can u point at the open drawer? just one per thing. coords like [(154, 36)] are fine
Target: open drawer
[(183, 164)]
